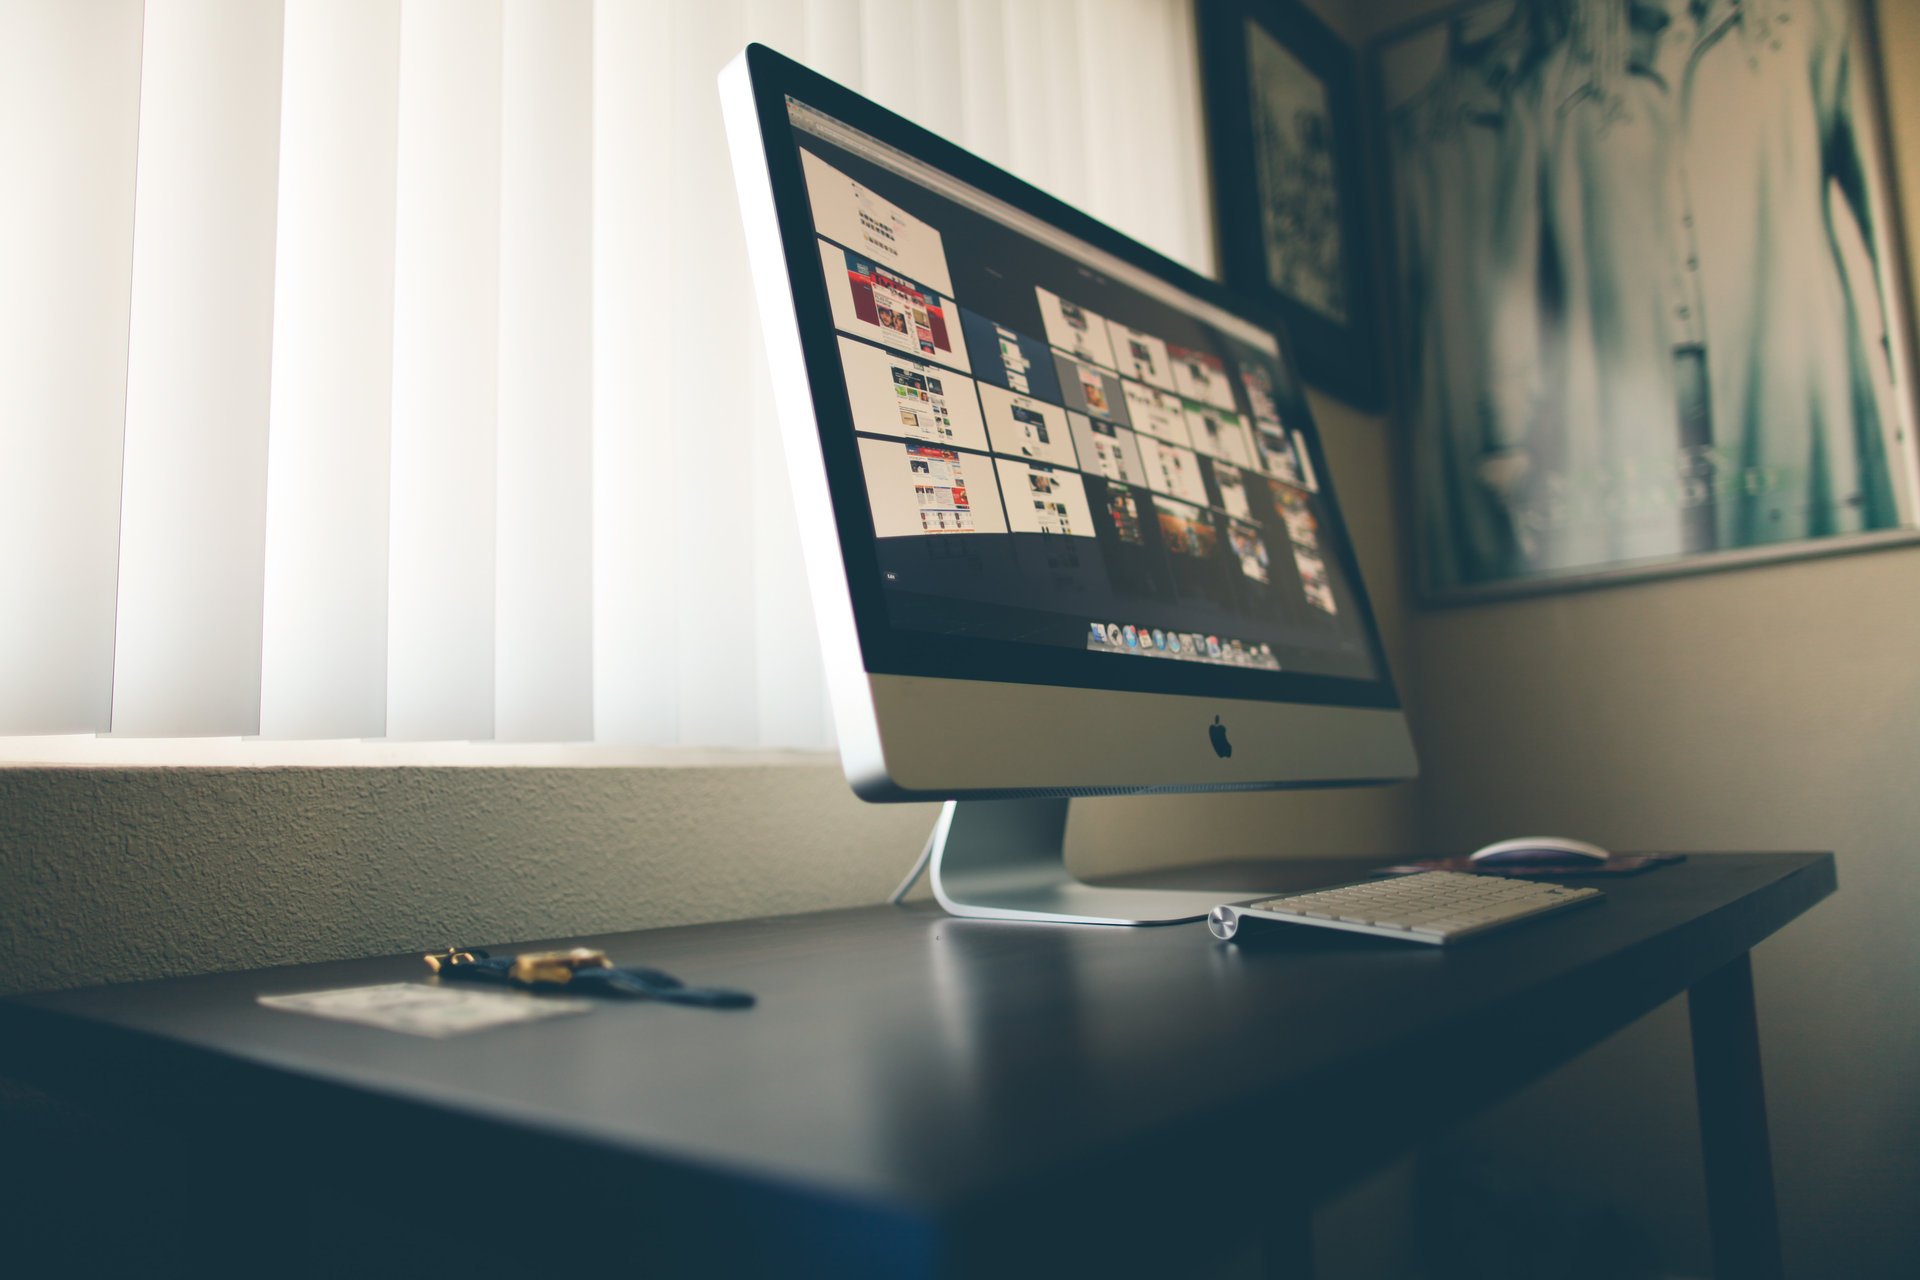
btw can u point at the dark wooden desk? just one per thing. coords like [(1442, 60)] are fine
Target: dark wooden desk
[(919, 1095)]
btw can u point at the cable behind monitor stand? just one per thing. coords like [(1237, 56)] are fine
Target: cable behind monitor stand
[(919, 869), (1006, 860)]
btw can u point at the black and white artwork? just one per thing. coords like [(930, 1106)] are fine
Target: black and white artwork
[(1648, 308), (1286, 134), (1293, 160)]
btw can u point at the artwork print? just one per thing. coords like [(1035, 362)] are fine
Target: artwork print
[(1286, 134), (1293, 161), (1647, 310)]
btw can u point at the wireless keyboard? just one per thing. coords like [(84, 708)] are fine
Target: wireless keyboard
[(1432, 906)]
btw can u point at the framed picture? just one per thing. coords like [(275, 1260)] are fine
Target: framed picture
[(1648, 298), (1285, 133)]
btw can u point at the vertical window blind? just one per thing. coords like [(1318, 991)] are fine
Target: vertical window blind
[(389, 368)]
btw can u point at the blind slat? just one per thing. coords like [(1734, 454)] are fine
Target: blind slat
[(939, 107), (983, 92), (635, 649), (324, 642), (708, 399), (1180, 224), (69, 132), (544, 622), (446, 333), (835, 36), (792, 708), (199, 354)]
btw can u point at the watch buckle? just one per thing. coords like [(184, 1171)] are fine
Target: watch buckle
[(453, 957), (556, 968)]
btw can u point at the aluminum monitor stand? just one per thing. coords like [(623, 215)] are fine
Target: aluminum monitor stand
[(1006, 860)]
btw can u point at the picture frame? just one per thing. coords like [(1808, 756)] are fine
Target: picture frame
[(1291, 209), (1633, 364)]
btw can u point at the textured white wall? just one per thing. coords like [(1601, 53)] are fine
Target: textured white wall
[(113, 874)]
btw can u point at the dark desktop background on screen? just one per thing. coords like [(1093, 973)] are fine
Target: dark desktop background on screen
[(1143, 565)]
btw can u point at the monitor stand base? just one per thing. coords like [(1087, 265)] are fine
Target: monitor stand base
[(1006, 860)]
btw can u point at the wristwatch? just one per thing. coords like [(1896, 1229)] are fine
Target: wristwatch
[(581, 971)]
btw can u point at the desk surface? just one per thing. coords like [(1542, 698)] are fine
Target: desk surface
[(924, 1075)]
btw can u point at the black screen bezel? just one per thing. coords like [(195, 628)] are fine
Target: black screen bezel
[(886, 650)]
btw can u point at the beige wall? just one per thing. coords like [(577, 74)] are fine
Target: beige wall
[(1766, 708)]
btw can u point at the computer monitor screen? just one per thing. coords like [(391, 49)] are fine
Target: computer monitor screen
[(1060, 449), (1051, 460)]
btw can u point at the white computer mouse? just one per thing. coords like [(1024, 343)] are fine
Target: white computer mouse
[(1539, 851)]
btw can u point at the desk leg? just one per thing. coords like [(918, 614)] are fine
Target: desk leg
[(1733, 1125)]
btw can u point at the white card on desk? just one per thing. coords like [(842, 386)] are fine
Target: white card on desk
[(421, 1009)]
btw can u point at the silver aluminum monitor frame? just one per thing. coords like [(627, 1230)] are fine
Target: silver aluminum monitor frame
[(1002, 741), (1005, 860)]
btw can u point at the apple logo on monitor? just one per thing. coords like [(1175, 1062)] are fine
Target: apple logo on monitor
[(1218, 732)]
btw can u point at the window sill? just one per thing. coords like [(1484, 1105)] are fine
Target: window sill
[(89, 751)]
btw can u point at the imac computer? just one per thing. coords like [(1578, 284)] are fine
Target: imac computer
[(1066, 519)]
